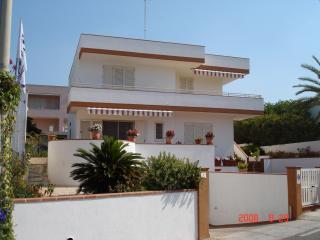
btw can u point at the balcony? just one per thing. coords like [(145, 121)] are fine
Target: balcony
[(87, 95)]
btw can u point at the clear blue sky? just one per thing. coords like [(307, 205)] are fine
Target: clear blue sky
[(277, 35)]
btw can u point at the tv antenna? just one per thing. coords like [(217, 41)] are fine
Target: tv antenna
[(145, 20)]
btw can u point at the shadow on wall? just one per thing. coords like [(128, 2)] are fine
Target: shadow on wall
[(182, 199)]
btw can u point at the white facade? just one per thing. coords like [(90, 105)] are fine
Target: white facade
[(236, 198), (155, 216), (61, 158), (121, 73)]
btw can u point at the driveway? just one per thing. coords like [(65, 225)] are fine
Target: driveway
[(307, 228)]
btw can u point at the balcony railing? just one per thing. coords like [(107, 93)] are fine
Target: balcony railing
[(166, 90)]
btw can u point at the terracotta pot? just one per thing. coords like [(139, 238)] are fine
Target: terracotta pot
[(209, 140), (197, 141), (168, 140), (52, 137), (131, 139), (95, 135)]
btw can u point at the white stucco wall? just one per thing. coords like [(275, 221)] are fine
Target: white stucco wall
[(280, 165), (232, 194), (222, 127), (82, 94), (60, 156), (293, 147), (202, 153), (60, 159), (157, 217)]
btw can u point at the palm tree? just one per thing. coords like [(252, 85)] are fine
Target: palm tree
[(108, 168), (311, 85)]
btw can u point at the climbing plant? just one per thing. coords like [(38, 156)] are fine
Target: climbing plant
[(9, 100)]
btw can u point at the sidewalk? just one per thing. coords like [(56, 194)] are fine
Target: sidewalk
[(307, 228)]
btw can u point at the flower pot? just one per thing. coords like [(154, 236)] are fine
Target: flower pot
[(131, 139), (197, 141), (168, 140), (209, 140), (52, 137), (95, 135)]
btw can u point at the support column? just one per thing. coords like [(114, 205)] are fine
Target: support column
[(294, 192), (203, 205), (5, 33)]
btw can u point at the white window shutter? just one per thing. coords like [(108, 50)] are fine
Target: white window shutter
[(188, 133), (183, 84), (129, 77), (107, 75), (118, 77)]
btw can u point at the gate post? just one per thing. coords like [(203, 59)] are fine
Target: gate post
[(203, 205), (294, 192)]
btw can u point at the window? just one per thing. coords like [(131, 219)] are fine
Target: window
[(43, 102), (159, 131), (122, 76), (194, 130), (117, 129), (186, 83)]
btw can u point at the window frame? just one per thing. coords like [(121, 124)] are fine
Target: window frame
[(155, 132)]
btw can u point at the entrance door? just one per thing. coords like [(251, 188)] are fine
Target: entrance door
[(117, 129), (84, 129)]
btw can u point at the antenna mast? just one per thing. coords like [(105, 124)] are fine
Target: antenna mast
[(145, 19)]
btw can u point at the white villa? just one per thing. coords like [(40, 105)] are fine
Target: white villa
[(155, 86)]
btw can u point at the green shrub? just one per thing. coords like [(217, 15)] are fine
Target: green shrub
[(253, 150), (242, 165), (166, 172), (108, 168)]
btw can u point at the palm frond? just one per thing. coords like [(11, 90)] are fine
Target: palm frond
[(316, 59), (307, 79), (312, 69)]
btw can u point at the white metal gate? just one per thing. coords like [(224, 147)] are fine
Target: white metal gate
[(310, 186)]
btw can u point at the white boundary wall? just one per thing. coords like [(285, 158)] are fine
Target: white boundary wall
[(157, 217), (60, 156), (293, 147), (279, 165), (232, 194)]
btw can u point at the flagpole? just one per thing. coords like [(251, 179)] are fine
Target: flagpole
[(5, 33)]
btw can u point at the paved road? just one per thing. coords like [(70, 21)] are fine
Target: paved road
[(306, 228)]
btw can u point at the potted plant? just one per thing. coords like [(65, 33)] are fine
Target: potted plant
[(169, 135), (209, 138), (132, 134), (242, 166), (198, 140), (96, 130)]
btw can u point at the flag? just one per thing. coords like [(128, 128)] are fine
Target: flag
[(21, 61), (19, 138)]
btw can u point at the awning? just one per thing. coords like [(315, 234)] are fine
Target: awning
[(220, 74), (129, 112)]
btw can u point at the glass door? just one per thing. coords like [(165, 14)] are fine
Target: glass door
[(117, 129)]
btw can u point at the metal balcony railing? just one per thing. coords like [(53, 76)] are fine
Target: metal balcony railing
[(164, 90)]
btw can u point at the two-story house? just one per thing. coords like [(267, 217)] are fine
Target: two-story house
[(155, 86), (47, 106)]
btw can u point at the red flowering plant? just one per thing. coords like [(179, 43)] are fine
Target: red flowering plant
[(170, 133), (132, 133)]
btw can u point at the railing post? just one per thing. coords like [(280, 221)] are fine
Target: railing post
[(203, 205), (294, 192)]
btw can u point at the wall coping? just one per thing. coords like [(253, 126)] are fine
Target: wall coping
[(162, 144), (248, 173), (96, 196)]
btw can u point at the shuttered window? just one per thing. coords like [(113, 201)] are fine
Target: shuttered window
[(122, 76), (186, 83)]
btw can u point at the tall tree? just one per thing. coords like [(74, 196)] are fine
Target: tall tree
[(311, 85)]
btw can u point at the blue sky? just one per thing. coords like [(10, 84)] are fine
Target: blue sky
[(276, 35)]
